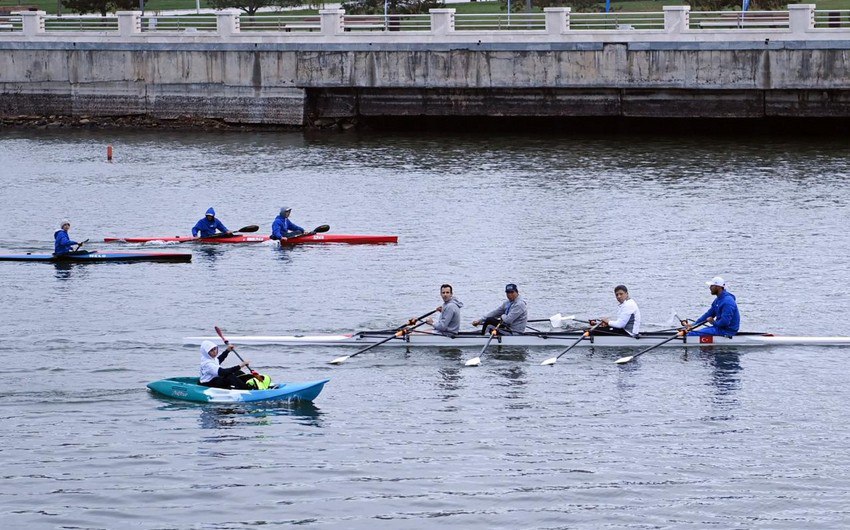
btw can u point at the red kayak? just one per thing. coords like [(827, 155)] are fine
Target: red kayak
[(351, 239)]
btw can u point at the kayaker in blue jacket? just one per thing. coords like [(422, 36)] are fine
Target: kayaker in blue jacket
[(62, 241), (207, 226), (449, 322), (212, 374), (723, 314), (283, 228)]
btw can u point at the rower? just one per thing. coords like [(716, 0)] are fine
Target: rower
[(512, 314), (628, 315), (62, 241), (283, 228), (449, 322), (723, 315), (207, 226)]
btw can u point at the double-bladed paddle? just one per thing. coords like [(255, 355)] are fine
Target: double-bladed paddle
[(400, 332), (475, 361), (244, 229), (80, 244), (679, 334), (227, 343), (318, 230), (583, 336)]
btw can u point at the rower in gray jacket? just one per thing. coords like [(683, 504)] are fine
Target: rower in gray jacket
[(449, 322), (513, 314)]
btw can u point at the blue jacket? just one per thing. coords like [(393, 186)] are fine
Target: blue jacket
[(207, 228), (282, 225), (63, 244), (724, 309)]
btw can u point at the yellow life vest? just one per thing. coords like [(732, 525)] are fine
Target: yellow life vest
[(263, 383)]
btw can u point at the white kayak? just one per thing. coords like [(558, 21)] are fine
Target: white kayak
[(562, 339)]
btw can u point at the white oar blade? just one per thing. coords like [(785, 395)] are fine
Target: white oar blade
[(624, 360), (339, 360), (549, 361), (555, 320), (475, 361)]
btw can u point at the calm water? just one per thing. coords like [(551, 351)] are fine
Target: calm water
[(729, 439)]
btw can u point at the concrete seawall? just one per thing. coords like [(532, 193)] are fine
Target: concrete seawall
[(794, 71)]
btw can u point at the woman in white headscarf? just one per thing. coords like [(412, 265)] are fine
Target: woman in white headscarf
[(212, 374)]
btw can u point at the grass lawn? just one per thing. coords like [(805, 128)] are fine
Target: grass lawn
[(50, 6)]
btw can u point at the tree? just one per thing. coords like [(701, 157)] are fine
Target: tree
[(735, 5), (576, 5), (98, 6), (250, 7)]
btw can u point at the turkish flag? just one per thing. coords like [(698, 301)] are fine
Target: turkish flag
[(706, 339)]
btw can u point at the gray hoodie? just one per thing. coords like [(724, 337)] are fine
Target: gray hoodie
[(449, 322), (514, 314)]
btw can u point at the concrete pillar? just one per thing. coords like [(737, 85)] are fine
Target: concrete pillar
[(677, 18), (442, 21), (557, 20), (801, 17), (227, 22), (332, 21), (32, 22), (129, 22)]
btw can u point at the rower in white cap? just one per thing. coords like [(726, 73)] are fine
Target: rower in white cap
[(723, 314), (283, 228)]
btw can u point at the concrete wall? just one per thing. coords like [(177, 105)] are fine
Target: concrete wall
[(293, 80)]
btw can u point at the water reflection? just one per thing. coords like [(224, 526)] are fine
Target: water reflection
[(209, 253), (726, 370), (241, 415)]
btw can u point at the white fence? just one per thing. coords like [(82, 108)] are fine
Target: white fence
[(798, 19)]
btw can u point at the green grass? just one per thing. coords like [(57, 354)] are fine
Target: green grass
[(50, 6)]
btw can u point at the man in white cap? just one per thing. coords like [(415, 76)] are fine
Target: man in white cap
[(212, 374), (62, 241), (283, 228), (723, 314)]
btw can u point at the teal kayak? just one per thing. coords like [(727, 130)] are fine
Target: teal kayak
[(188, 388)]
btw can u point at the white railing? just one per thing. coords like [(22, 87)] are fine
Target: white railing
[(552, 24), (832, 19)]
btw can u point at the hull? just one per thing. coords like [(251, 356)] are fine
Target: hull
[(188, 389), (98, 257), (560, 339), (315, 239)]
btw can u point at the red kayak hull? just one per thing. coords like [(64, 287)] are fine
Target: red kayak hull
[(351, 239)]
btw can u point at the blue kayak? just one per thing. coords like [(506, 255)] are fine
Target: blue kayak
[(187, 388), (97, 257)]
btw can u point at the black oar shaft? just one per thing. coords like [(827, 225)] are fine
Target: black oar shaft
[(398, 334), (583, 336), (681, 333)]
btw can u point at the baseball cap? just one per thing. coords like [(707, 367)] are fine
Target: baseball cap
[(718, 281), (511, 287)]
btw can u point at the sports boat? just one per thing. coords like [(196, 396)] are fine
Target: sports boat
[(95, 256), (470, 339), (188, 389), (314, 239)]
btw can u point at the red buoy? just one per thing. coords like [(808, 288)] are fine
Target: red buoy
[(109, 153)]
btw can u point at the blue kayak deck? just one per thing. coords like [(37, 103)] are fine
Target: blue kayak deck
[(97, 257)]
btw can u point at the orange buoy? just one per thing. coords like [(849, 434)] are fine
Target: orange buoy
[(109, 153)]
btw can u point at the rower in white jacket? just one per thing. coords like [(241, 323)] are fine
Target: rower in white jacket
[(628, 313)]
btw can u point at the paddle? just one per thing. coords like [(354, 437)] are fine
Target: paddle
[(584, 335), (80, 244), (400, 332), (556, 321), (245, 229), (318, 230), (227, 343), (475, 361), (681, 333)]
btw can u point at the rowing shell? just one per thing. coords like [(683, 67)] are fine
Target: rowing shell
[(315, 239), (558, 339)]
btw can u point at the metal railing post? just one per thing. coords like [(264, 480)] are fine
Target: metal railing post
[(677, 18), (442, 21), (129, 22), (32, 22), (332, 21), (557, 20), (227, 22)]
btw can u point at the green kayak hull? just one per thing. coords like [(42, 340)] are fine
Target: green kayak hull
[(188, 389)]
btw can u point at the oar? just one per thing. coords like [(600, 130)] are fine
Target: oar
[(584, 335), (246, 229), (475, 361), (227, 343), (318, 230), (556, 321), (681, 333), (398, 334), (80, 244)]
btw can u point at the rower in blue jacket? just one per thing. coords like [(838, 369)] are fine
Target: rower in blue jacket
[(62, 241), (723, 314), (207, 226), (283, 228)]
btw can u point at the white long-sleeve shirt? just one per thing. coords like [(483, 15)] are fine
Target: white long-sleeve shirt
[(628, 317)]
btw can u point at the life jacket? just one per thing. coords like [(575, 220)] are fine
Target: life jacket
[(263, 383)]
